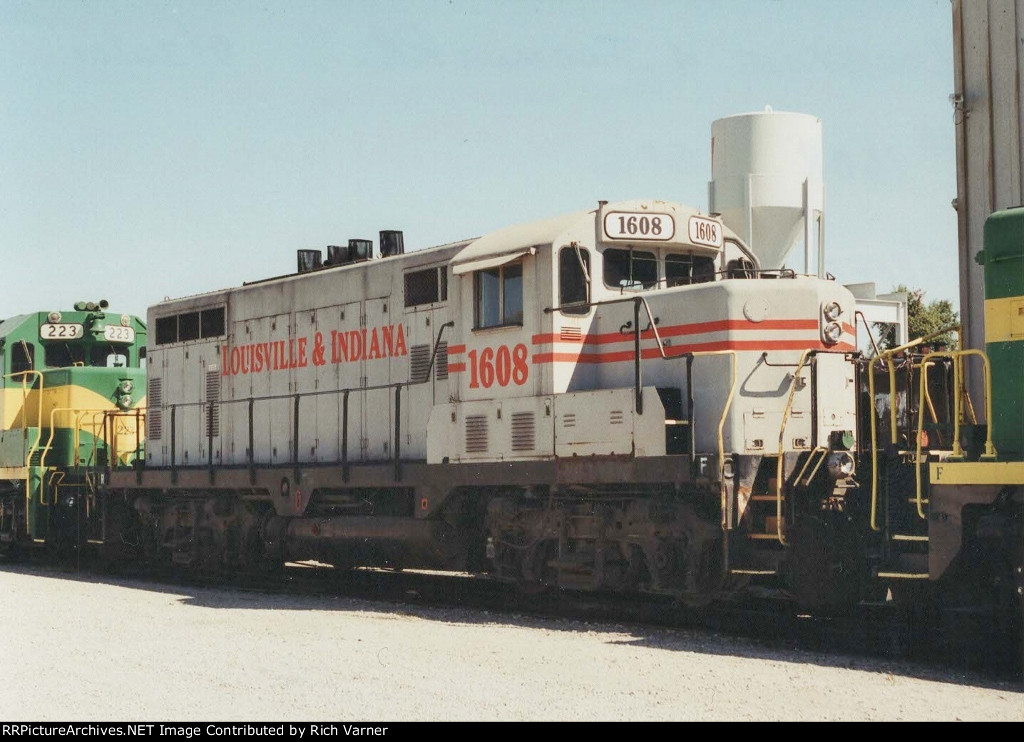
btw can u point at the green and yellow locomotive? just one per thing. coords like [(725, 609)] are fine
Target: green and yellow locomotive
[(72, 391), (976, 513)]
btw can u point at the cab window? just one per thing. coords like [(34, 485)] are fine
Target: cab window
[(64, 354), (498, 296), (109, 358), (682, 269), (630, 268), (23, 357), (573, 283)]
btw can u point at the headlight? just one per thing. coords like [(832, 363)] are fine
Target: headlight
[(126, 386), (831, 333), (124, 401), (125, 320), (840, 464), (53, 317), (832, 311)]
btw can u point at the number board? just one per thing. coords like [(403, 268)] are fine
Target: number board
[(61, 331), (118, 334), (644, 225), (705, 231)]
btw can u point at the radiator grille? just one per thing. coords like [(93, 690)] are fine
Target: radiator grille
[(441, 362), (211, 412), (476, 433), (523, 431), (419, 363), (154, 411)]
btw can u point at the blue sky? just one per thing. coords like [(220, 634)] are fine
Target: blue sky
[(171, 147)]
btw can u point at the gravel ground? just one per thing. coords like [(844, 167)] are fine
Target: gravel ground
[(77, 648)]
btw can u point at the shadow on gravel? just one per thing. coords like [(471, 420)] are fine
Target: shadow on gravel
[(864, 645)]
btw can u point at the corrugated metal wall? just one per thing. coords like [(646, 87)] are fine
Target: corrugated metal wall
[(988, 60)]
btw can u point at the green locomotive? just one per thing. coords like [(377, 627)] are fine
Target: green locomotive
[(976, 515), (72, 396)]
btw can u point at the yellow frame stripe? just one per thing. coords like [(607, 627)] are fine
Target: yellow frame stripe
[(976, 472)]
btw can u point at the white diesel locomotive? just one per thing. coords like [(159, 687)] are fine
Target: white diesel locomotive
[(619, 398)]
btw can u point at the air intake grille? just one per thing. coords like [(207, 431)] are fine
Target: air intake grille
[(570, 333), (476, 434), (211, 412), (523, 431), (617, 417), (419, 363), (154, 411), (441, 362)]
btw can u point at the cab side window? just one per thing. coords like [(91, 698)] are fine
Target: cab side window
[(573, 283), (23, 357), (498, 296)]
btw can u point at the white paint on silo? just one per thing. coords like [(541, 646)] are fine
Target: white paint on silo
[(766, 175)]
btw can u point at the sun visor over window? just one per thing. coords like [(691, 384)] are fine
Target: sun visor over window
[(490, 261)]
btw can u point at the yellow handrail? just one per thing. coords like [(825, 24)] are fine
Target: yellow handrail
[(139, 415), (874, 445), (887, 357), (39, 434), (721, 424), (782, 436), (926, 399), (25, 389), (99, 425), (49, 447), (990, 449), (957, 357), (79, 415), (893, 424), (77, 428), (810, 457), (925, 365)]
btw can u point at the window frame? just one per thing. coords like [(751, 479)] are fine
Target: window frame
[(568, 307), (644, 285), (22, 357), (439, 286), (201, 323), (502, 301), (692, 261)]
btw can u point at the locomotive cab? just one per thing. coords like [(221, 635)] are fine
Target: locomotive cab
[(543, 343), (626, 347)]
